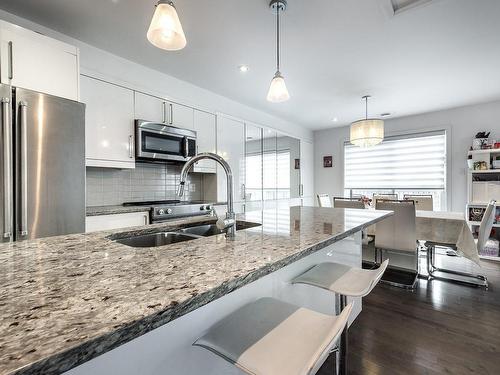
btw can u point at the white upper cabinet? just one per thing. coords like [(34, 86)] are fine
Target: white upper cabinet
[(109, 124), (205, 127), (231, 146), (181, 116), (39, 63), (152, 108)]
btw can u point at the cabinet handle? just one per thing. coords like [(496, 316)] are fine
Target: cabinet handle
[(244, 191), (146, 219), (131, 146), (11, 64), (171, 114), (164, 106), (301, 190)]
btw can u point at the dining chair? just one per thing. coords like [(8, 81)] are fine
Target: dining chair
[(398, 234), (387, 197), (339, 202), (465, 277), (422, 202), (324, 200)]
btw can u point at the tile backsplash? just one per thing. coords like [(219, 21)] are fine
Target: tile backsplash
[(107, 186)]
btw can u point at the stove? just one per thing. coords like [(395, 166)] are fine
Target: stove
[(171, 209)]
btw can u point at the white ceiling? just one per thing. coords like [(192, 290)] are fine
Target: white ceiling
[(443, 54)]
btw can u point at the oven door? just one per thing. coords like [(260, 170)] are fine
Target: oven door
[(157, 141)]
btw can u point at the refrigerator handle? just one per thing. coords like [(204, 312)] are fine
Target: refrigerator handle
[(23, 106), (7, 167)]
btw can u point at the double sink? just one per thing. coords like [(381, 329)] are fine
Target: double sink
[(180, 235)]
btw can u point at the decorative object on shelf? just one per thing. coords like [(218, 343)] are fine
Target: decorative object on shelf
[(496, 163), (277, 90), (470, 162), (480, 141), (496, 145), (480, 166), (327, 161), (165, 30), (476, 213), (367, 132)]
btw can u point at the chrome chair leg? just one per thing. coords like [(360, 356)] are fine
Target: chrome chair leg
[(478, 280), (343, 341)]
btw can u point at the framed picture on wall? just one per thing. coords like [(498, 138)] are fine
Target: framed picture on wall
[(327, 161)]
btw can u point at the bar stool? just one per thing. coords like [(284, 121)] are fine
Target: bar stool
[(345, 282), (269, 337)]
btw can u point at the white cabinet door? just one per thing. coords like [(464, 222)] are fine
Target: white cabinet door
[(231, 146), (181, 116), (204, 125), (116, 221), (109, 124), (307, 170), (150, 108), (39, 63)]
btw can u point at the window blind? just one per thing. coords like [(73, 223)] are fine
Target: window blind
[(410, 162)]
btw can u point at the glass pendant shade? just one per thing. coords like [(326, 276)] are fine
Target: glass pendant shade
[(277, 90), (165, 31), (367, 133)]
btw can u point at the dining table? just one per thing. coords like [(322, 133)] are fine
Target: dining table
[(444, 227)]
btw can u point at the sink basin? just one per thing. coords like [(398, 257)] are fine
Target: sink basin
[(156, 239), (203, 230), (211, 229)]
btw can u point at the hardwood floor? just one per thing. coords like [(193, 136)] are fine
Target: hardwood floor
[(440, 328)]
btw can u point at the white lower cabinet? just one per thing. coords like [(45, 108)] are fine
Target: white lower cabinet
[(109, 124), (116, 221)]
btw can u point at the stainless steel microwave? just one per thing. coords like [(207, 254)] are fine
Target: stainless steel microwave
[(160, 142)]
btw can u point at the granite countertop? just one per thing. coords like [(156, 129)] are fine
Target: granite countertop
[(118, 209), (67, 299)]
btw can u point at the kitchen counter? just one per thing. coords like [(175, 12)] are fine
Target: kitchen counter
[(118, 209), (68, 299)]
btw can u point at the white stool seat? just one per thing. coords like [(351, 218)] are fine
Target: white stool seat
[(342, 279), (269, 337)]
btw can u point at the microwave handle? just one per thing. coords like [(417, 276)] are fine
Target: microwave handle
[(186, 147)]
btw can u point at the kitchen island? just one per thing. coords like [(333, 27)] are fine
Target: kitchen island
[(71, 299)]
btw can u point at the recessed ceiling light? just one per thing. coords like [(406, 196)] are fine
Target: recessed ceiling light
[(335, 119), (243, 68)]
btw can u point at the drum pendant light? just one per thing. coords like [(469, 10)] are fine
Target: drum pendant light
[(367, 132), (277, 90), (165, 30)]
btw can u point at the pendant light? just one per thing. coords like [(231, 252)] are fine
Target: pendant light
[(277, 90), (367, 132), (165, 30)]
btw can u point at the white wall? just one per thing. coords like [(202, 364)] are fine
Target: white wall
[(461, 124), (104, 65)]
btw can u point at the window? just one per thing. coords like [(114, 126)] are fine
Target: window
[(412, 164)]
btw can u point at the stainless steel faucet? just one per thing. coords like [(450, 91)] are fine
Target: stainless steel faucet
[(229, 223)]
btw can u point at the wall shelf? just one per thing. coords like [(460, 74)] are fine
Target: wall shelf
[(487, 151), (484, 171), (487, 257)]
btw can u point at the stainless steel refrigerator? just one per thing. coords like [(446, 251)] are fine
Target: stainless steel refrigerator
[(42, 165)]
